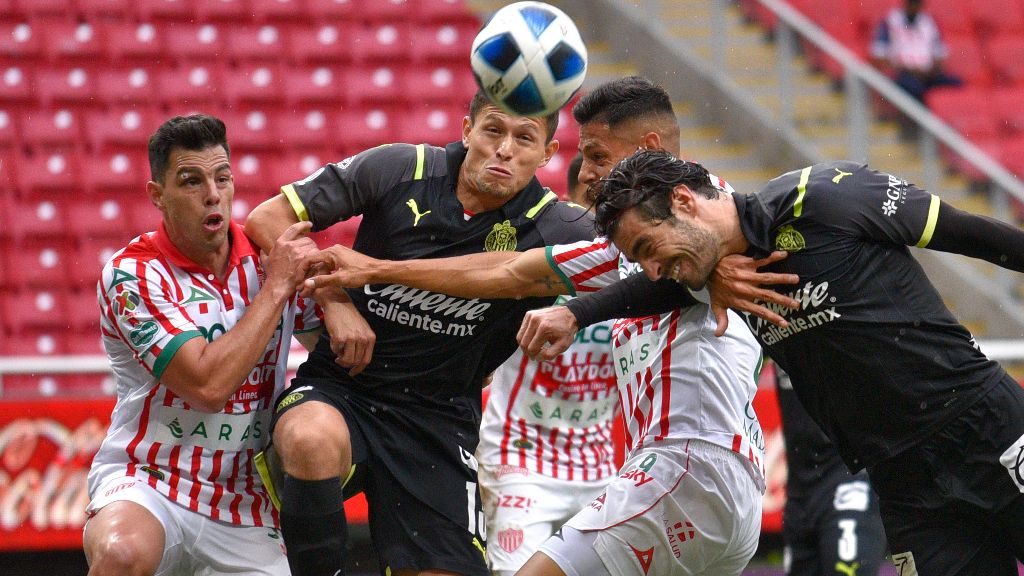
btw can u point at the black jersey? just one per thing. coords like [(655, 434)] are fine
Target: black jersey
[(874, 355), (810, 455), (406, 195)]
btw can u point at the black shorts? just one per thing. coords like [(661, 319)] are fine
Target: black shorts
[(949, 505), (832, 526), (412, 457)]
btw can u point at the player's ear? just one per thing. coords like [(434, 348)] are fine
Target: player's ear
[(549, 150), (467, 125), (683, 199), (156, 193), (651, 141)]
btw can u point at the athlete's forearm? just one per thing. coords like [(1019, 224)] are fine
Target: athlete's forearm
[(267, 221), (630, 298), (978, 237), (484, 275)]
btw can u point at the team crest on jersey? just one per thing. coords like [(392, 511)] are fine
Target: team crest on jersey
[(789, 239), (501, 238), (510, 539), (289, 400), (125, 304)]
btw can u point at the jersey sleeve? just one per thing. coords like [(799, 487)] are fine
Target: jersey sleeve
[(870, 204), (353, 186), (585, 266), (309, 317), (139, 308)]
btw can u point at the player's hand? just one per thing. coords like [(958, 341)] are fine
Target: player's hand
[(736, 283), (282, 265), (547, 332), (352, 339), (336, 267)]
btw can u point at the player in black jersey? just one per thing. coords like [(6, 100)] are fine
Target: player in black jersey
[(403, 429), (875, 357)]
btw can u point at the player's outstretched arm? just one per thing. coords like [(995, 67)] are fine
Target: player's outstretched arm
[(267, 221), (484, 275), (978, 237), (206, 374)]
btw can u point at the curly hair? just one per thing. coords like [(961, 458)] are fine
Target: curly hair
[(645, 181)]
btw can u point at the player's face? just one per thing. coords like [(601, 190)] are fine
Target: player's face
[(602, 148), (503, 152), (678, 248), (195, 199)]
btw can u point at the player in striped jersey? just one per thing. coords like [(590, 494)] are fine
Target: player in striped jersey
[(197, 332), (691, 431), (546, 445)]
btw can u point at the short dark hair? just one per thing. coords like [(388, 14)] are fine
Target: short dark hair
[(192, 132), (621, 100), (480, 99), (645, 181)]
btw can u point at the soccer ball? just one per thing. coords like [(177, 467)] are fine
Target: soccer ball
[(529, 59)]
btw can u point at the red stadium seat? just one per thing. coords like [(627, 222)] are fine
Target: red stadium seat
[(966, 109), (143, 216), (105, 9), (233, 11), (1006, 57), (15, 85), (953, 17), (343, 233), (89, 258), (117, 171), (187, 87), (86, 343), (61, 127), (120, 85), (40, 266), (332, 10), (375, 85), (253, 130), (277, 10), (436, 125), (325, 43), (362, 128), (450, 11), (320, 85), (136, 43), (309, 130), (30, 341), (193, 42), (385, 10), (870, 13), (568, 132), (967, 61), (49, 172), (102, 217), (41, 218), (120, 128), (169, 10), (257, 84), (1007, 104), (443, 42), (442, 83), (9, 134), (45, 8), (8, 173), (996, 16), (1013, 155), (264, 42), (384, 42), (20, 41), (68, 42), (252, 175), (83, 310), (299, 165), (67, 86), (554, 173)]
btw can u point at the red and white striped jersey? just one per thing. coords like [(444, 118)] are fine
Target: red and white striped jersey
[(676, 380), (554, 418), (153, 300)]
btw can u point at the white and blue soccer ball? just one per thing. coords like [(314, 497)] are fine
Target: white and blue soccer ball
[(529, 58)]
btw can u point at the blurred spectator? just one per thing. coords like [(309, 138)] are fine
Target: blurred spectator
[(908, 44)]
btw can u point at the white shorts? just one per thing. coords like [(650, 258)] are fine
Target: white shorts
[(195, 544), (524, 509), (692, 509)]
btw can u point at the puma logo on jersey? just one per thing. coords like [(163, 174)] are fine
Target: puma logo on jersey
[(840, 175), (411, 203)]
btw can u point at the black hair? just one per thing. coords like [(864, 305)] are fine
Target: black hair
[(623, 99), (480, 99), (645, 181), (573, 172), (192, 132)]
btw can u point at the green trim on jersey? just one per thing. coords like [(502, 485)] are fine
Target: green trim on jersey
[(293, 198), (929, 226), (165, 357), (801, 188), (532, 212), (419, 162), (551, 262)]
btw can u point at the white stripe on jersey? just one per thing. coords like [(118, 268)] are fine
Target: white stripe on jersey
[(199, 460), (554, 418), (676, 379)]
